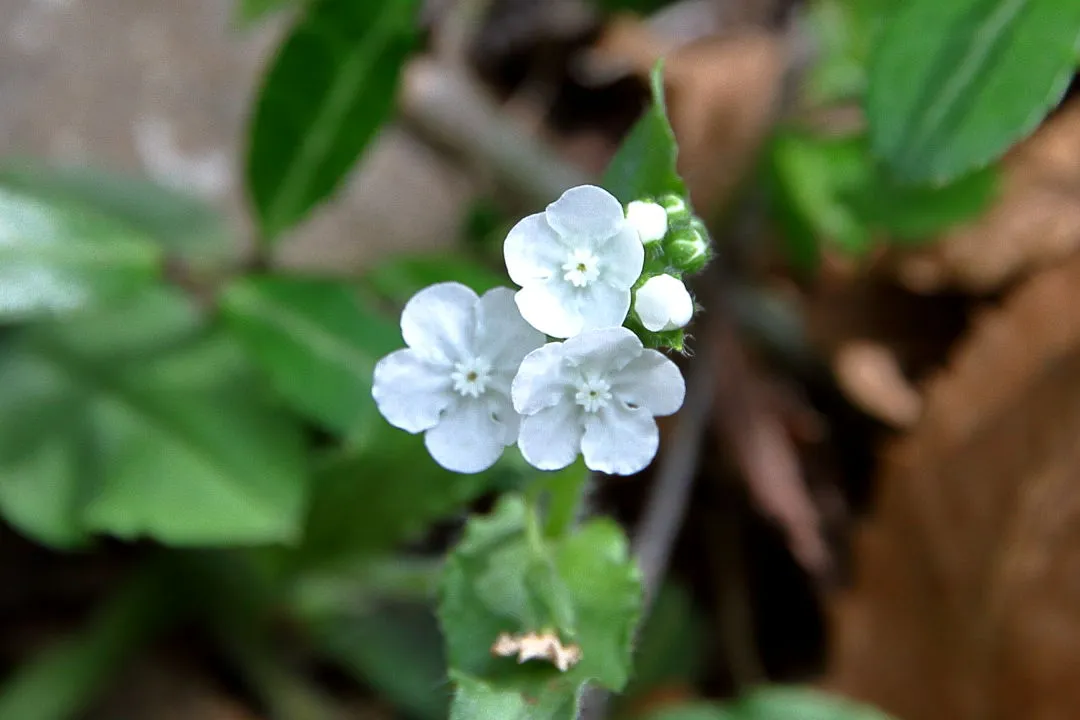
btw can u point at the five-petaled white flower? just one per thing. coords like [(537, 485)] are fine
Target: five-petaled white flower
[(597, 394), (663, 303), (575, 263), (453, 381)]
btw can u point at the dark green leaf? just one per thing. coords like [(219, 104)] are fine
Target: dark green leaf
[(329, 90), (911, 212), (61, 682), (670, 646), (175, 445), (694, 711), (57, 257), (795, 703), (400, 278), (582, 586), (954, 84), (387, 491), (183, 225), (251, 11), (645, 164), (830, 189), (316, 341), (397, 650)]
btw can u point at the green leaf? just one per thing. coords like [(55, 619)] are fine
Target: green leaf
[(62, 681), (645, 164), (57, 257), (389, 490), (316, 341), (398, 279), (954, 84), (795, 703), (329, 90), (183, 225), (175, 444), (502, 578)]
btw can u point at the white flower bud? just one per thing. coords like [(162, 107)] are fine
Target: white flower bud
[(663, 303), (649, 219)]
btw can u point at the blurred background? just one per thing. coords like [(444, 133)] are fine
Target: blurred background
[(878, 494)]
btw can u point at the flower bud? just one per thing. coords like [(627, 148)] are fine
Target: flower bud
[(678, 211), (688, 248), (663, 303), (649, 219)]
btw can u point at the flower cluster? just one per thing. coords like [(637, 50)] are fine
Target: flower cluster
[(479, 375)]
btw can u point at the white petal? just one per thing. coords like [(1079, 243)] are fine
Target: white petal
[(651, 381), (649, 219), (551, 307), (663, 303), (551, 439), (439, 322), (533, 251), (602, 306), (540, 381), (621, 259), (502, 334), (604, 351), (586, 212), (467, 439), (506, 417), (409, 391), (620, 441)]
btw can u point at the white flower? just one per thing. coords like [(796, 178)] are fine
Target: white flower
[(663, 303), (453, 381), (596, 394), (649, 219), (575, 263)]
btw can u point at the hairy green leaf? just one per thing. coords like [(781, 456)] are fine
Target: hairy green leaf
[(954, 84), (501, 578), (327, 93)]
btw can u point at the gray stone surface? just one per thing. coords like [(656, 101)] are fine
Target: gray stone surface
[(162, 87)]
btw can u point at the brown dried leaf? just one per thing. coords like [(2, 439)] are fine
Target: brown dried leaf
[(1034, 223), (870, 375), (967, 596)]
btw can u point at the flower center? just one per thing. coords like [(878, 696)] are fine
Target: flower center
[(593, 394), (581, 268), (471, 377)]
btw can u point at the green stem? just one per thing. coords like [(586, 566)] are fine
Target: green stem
[(567, 490)]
